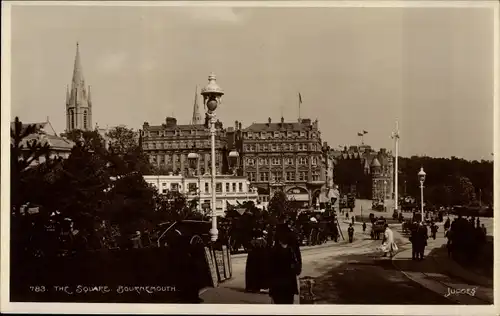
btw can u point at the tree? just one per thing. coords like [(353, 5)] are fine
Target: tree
[(280, 206), (92, 140), (122, 140), (22, 154)]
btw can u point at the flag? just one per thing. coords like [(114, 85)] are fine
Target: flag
[(360, 134), (365, 132), (300, 98)]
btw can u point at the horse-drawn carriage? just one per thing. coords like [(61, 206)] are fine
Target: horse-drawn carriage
[(378, 228)]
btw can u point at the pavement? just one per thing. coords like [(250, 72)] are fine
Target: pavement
[(444, 276)]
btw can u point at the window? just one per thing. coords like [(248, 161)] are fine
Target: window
[(250, 161), (227, 187), (290, 176), (315, 176), (250, 135), (303, 161), (276, 134), (85, 119), (218, 187), (302, 134), (289, 161), (276, 161), (276, 176), (174, 187), (234, 187), (264, 176), (314, 161), (164, 191), (264, 147), (72, 118), (290, 147), (252, 148), (192, 187), (302, 176), (251, 176), (266, 161), (206, 187), (240, 187), (261, 161), (273, 147)]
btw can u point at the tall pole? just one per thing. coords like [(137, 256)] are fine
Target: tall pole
[(422, 199), (396, 169), (213, 232)]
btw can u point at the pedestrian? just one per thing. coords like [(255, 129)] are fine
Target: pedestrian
[(422, 236), (285, 266), (434, 229), (350, 232), (255, 272), (346, 215), (449, 243), (389, 246), (478, 223), (414, 241), (447, 224), (352, 218), (364, 226)]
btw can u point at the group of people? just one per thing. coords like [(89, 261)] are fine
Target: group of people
[(418, 239), (275, 264), (465, 238)]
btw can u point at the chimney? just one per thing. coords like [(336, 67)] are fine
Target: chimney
[(239, 125), (268, 121), (236, 125), (145, 125), (282, 120), (171, 121)]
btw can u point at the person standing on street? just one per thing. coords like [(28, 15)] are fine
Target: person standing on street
[(364, 227), (285, 266), (434, 229), (389, 246), (422, 236), (350, 232)]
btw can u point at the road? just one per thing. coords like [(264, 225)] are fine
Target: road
[(343, 273)]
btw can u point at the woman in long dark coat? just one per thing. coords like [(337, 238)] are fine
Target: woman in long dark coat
[(285, 266), (256, 272)]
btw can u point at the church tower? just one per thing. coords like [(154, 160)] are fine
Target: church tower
[(78, 101), (196, 120)]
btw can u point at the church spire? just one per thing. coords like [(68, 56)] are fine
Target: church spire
[(196, 120), (78, 103)]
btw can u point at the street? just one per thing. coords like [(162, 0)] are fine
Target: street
[(343, 273)]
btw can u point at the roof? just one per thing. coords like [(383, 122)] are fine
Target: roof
[(55, 142), (271, 127), (375, 163)]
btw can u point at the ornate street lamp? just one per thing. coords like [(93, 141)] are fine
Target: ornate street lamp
[(212, 95), (233, 160), (395, 136), (421, 177)]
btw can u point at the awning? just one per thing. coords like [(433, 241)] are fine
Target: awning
[(298, 197)]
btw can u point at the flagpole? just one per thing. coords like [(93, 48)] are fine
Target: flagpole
[(396, 169)]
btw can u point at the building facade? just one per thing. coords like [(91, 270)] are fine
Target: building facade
[(78, 100), (284, 156), (369, 172), (230, 190), (168, 146)]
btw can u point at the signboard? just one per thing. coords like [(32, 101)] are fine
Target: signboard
[(211, 265), (230, 263), (225, 254), (219, 262)]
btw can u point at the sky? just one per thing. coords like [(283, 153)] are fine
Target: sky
[(430, 69)]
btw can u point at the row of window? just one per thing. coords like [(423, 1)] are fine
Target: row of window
[(280, 147), (72, 119), (277, 134), (179, 144), (278, 176), (193, 187), (276, 161), (165, 159)]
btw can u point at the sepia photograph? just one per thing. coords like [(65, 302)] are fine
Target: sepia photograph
[(331, 155)]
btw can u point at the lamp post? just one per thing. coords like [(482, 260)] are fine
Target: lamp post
[(193, 164), (421, 177), (212, 94)]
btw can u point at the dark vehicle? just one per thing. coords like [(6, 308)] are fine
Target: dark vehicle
[(196, 232), (378, 206), (407, 204), (347, 201), (378, 228)]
